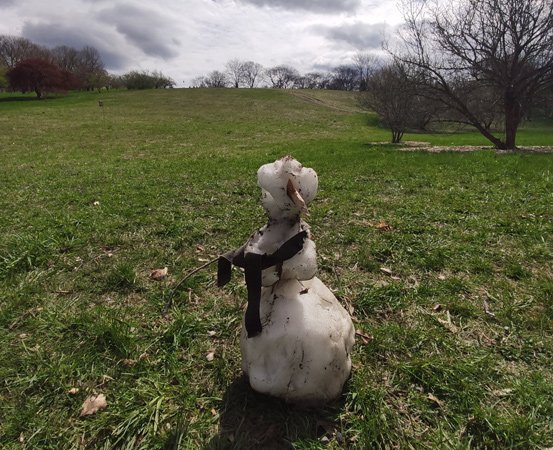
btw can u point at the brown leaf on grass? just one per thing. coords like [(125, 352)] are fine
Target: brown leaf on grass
[(448, 323), (502, 392), (210, 355), (487, 309), (93, 404), (383, 226), (366, 338), (200, 248), (386, 271), (73, 391), (434, 399), (437, 307), (159, 274)]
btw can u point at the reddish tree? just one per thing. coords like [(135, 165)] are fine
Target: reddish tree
[(40, 76)]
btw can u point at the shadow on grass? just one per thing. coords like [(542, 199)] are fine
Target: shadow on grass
[(255, 421), (20, 98)]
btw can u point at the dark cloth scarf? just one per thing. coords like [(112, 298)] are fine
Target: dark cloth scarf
[(254, 264)]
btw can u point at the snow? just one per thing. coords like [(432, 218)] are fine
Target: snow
[(303, 351)]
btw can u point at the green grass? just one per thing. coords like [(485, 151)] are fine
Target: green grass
[(93, 198)]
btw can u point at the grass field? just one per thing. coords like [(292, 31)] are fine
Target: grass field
[(452, 292)]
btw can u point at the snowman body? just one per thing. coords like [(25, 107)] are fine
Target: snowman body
[(301, 351)]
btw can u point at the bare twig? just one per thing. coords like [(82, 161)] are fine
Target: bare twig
[(180, 283)]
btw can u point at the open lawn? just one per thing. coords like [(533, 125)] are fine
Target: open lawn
[(444, 259)]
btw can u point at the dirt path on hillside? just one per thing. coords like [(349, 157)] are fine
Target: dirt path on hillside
[(414, 146), (317, 101)]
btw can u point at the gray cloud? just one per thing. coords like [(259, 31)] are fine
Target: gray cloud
[(143, 28), (6, 3), (361, 36), (54, 34), (319, 6)]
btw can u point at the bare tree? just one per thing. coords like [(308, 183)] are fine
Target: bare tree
[(14, 49), (198, 82), (391, 93), (282, 77), (251, 73), (66, 58), (235, 72), (216, 79), (366, 64), (314, 80), (344, 78), (300, 82), (504, 45)]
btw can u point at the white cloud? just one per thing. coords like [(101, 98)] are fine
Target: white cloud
[(319, 6), (186, 39), (359, 35)]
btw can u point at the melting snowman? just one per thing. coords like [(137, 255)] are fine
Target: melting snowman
[(296, 337)]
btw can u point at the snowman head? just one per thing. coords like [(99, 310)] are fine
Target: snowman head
[(287, 188)]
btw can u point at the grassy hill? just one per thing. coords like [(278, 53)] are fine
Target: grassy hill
[(444, 260)]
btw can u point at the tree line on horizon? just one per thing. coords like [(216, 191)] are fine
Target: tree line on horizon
[(250, 74), (29, 67)]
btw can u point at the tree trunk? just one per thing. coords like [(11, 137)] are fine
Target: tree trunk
[(38, 93), (396, 136), (512, 121)]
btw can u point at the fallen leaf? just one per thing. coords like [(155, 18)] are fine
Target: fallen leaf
[(128, 362), (159, 274), (437, 307), (386, 271), (200, 248), (487, 309), (96, 203), (211, 355), (213, 412), (434, 399), (441, 277), (366, 338), (383, 226), (93, 404), (448, 323), (73, 391), (211, 333), (502, 392)]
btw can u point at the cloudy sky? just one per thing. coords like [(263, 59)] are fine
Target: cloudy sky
[(187, 38)]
